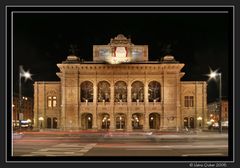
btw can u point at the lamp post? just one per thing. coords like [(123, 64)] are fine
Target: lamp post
[(26, 75), (213, 75)]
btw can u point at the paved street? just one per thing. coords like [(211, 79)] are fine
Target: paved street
[(119, 144)]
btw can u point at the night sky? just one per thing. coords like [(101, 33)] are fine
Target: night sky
[(198, 40)]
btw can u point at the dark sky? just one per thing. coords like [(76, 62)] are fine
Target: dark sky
[(198, 40)]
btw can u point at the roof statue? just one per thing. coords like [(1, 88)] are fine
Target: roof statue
[(120, 39)]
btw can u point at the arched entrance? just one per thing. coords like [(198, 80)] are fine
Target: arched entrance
[(105, 121), (49, 122), (191, 122), (185, 122), (120, 121), (137, 121), (54, 122), (154, 121), (87, 121)]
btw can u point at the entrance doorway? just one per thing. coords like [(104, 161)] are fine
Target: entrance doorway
[(105, 121), (154, 121), (120, 121), (87, 121), (137, 121)]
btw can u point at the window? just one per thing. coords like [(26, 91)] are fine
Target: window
[(120, 91), (137, 91), (54, 101), (49, 101), (154, 93), (103, 91), (87, 91), (188, 101)]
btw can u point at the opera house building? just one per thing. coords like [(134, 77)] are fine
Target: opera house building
[(120, 89)]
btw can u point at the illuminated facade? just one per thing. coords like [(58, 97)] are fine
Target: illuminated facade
[(26, 109), (213, 110), (120, 90)]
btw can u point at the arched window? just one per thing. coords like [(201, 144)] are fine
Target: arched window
[(154, 91), (87, 91), (103, 91), (120, 91), (137, 91)]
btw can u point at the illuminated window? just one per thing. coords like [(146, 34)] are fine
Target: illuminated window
[(188, 101), (49, 101), (54, 101)]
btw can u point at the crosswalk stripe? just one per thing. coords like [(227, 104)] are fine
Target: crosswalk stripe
[(63, 149)]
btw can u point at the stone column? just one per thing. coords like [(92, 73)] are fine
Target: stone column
[(112, 94), (129, 99), (129, 115), (178, 104), (146, 122), (112, 122), (146, 93), (129, 121), (94, 126)]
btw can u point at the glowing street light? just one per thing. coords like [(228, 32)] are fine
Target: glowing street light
[(26, 75), (214, 75)]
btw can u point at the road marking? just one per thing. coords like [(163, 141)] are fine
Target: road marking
[(63, 149), (145, 149), (166, 146), (204, 154)]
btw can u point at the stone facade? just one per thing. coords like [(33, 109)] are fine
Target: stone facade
[(136, 95), (213, 110)]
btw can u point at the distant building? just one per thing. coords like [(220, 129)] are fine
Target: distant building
[(27, 108), (214, 108), (120, 90)]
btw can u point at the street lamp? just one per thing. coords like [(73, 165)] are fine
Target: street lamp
[(26, 75), (213, 75)]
